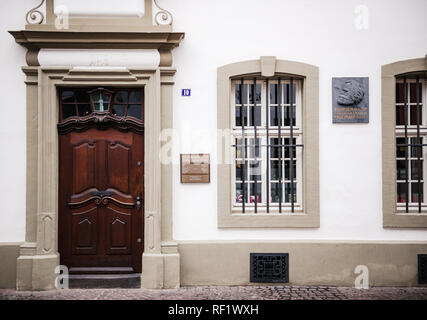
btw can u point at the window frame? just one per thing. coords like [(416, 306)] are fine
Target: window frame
[(399, 131), (262, 135), (393, 216), (269, 67)]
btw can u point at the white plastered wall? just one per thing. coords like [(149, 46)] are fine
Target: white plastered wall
[(12, 123), (13, 92), (322, 33), (219, 32)]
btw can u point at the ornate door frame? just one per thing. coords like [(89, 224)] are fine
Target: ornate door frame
[(39, 254)]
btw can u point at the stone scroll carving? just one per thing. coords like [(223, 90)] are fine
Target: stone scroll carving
[(163, 17), (35, 16)]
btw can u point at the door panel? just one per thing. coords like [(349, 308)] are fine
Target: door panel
[(118, 166), (118, 231), (84, 230), (83, 166), (101, 178)]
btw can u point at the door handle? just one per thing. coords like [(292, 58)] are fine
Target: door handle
[(138, 201)]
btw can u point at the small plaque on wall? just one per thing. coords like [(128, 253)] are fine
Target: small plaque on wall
[(350, 100), (195, 168)]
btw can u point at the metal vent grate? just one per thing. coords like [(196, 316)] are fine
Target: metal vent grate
[(422, 268), (269, 267)]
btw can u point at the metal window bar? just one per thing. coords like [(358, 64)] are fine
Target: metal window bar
[(279, 107), (419, 149), (291, 149), (281, 145), (418, 145), (292, 145), (242, 118), (267, 113), (255, 148), (406, 110)]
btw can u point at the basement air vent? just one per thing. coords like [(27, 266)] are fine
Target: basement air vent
[(269, 267), (422, 268)]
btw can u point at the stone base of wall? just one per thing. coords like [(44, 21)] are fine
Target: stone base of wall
[(310, 263), (9, 252)]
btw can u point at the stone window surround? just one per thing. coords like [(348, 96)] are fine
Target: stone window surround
[(268, 67), (392, 218)]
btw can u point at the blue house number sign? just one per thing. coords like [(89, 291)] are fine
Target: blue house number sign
[(186, 92)]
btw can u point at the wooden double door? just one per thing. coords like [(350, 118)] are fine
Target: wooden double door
[(101, 203)]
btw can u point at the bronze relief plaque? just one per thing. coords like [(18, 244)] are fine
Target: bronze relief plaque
[(350, 100)]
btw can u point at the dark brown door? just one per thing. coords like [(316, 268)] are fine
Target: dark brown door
[(100, 201)]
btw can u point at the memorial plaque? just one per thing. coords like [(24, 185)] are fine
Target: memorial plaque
[(195, 168), (350, 100)]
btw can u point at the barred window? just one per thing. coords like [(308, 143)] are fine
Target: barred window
[(267, 133), (411, 137)]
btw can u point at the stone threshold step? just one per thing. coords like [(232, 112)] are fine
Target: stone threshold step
[(104, 281)]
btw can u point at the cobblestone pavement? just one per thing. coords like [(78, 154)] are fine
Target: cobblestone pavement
[(225, 293)]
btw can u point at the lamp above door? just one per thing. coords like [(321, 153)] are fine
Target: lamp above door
[(100, 100)]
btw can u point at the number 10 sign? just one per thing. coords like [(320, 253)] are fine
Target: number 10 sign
[(186, 92)]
